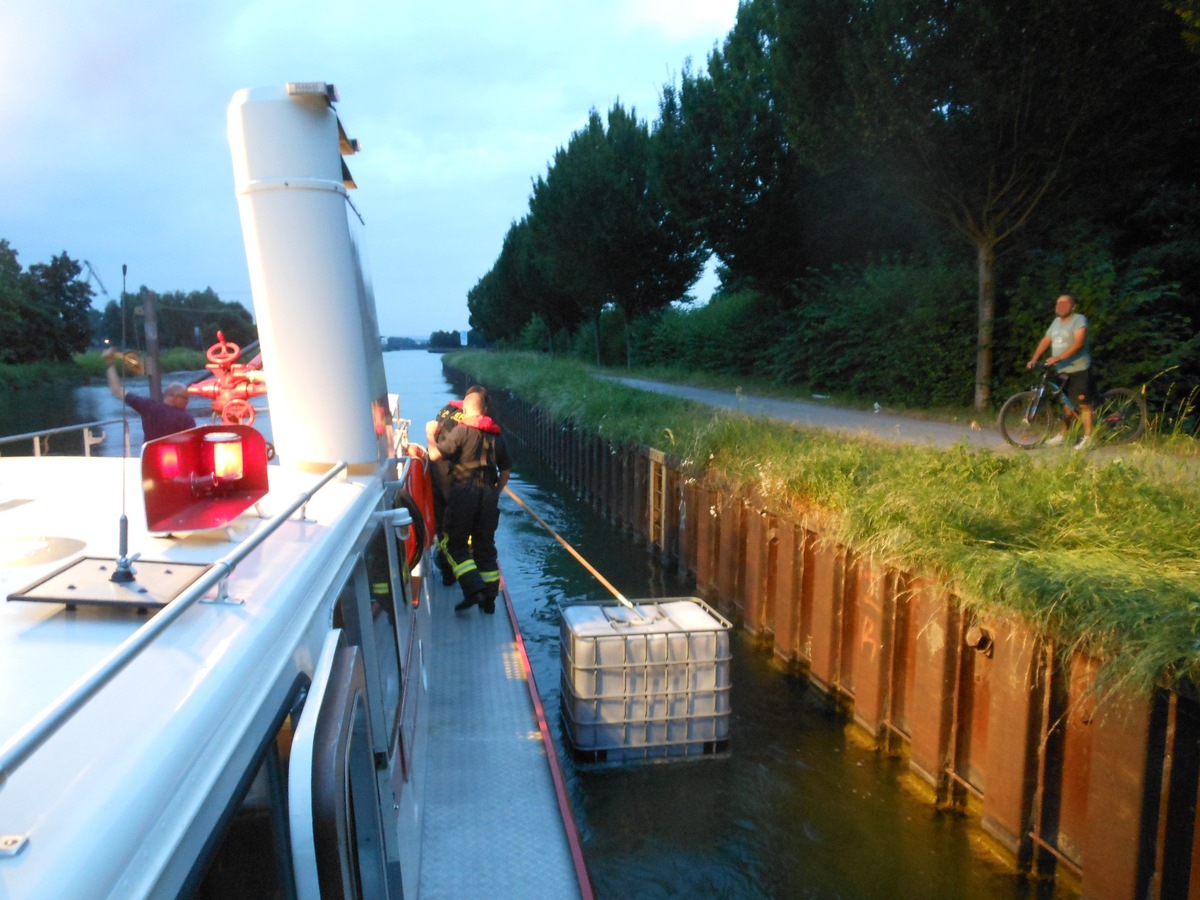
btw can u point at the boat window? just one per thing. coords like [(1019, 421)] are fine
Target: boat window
[(252, 857), (366, 609), (347, 839), (383, 626)]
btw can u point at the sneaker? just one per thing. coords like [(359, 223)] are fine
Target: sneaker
[(1055, 441), (1084, 443)]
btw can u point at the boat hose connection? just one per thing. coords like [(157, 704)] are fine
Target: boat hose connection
[(621, 598)]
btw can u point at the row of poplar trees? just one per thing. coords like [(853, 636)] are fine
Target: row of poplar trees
[(827, 137)]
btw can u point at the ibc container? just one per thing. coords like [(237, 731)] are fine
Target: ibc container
[(645, 683)]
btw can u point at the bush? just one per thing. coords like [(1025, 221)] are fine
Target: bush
[(17, 376), (896, 333), (732, 334)]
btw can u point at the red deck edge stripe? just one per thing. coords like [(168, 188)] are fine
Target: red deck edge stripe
[(560, 787)]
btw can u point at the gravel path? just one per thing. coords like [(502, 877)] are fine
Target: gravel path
[(819, 414)]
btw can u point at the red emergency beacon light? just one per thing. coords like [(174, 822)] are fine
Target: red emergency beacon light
[(203, 478)]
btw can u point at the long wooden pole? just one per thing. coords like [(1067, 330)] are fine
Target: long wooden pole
[(587, 565)]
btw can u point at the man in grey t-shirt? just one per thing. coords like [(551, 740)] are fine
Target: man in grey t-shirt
[(1066, 339)]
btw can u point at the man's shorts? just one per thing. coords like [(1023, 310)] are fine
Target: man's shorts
[(1078, 386)]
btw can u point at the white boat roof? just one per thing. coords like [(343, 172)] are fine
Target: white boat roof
[(153, 725)]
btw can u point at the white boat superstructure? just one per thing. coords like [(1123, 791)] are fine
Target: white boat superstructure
[(286, 715)]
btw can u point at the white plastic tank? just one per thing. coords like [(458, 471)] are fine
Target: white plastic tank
[(645, 683)]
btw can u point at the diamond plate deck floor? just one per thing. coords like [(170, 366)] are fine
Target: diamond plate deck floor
[(492, 825)]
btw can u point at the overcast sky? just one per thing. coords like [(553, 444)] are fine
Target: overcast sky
[(114, 147)]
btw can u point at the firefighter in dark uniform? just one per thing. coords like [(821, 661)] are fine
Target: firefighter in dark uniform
[(447, 419), (479, 465)]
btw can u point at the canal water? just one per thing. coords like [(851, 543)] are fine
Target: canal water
[(794, 810)]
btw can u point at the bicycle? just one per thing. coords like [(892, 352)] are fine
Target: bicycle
[(1027, 419)]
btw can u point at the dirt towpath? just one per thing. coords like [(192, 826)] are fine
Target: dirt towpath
[(819, 414)]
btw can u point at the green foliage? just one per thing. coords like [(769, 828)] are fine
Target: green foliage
[(895, 333), (598, 235), (445, 340), (535, 336), (44, 311), (20, 376), (612, 340), (12, 303), (178, 359), (736, 177), (1100, 554), (1095, 554), (1189, 12), (190, 319), (731, 334), (514, 291), (184, 359)]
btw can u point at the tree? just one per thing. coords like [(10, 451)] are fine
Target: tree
[(600, 232), (571, 221), (12, 298), (445, 340), (194, 318), (731, 171), (56, 306), (986, 111), (514, 291), (656, 256), (190, 319)]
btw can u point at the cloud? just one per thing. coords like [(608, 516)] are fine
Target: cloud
[(118, 152), (681, 20)]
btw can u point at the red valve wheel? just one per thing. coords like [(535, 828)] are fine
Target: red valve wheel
[(237, 412)]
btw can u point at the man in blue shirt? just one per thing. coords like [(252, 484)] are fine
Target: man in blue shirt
[(1066, 339), (158, 418)]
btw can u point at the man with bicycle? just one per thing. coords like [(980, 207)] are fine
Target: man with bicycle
[(1066, 338)]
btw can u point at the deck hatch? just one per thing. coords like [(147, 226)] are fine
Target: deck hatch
[(88, 581)]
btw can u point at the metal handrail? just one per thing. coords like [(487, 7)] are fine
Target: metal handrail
[(38, 730), (84, 428)]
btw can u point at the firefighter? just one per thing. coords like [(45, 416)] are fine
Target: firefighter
[(447, 419), (479, 466)]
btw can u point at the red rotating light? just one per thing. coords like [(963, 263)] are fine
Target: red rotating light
[(203, 478)]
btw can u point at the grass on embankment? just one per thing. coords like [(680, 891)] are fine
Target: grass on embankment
[(177, 359), (87, 366), (1098, 551)]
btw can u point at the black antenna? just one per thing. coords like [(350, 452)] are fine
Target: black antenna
[(123, 572)]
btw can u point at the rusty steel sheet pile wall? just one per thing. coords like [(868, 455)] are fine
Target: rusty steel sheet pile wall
[(992, 718)]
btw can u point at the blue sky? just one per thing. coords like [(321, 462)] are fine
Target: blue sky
[(116, 153)]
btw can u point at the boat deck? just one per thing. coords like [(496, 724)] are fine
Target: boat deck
[(492, 822)]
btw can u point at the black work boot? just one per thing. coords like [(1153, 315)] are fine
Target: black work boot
[(466, 603)]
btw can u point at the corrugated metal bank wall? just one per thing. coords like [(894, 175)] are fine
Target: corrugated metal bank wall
[(992, 718)]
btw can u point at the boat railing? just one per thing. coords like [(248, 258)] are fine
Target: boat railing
[(41, 439), (38, 730)]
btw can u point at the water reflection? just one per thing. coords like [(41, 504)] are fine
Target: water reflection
[(796, 809), (37, 409)]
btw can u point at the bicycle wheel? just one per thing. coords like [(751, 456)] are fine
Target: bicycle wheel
[(1020, 427), (1121, 416)]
